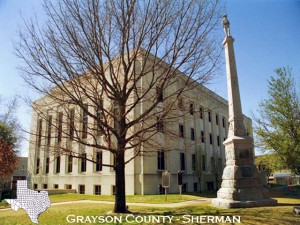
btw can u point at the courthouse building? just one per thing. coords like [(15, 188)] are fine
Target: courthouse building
[(197, 151)]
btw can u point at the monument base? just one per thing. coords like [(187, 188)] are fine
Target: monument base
[(242, 184), (226, 203)]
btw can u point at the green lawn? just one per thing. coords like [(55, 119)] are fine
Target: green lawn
[(3, 204), (155, 199), (56, 215)]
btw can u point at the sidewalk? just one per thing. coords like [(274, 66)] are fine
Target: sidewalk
[(164, 205)]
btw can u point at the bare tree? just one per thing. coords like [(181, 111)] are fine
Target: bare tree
[(115, 62), (10, 128)]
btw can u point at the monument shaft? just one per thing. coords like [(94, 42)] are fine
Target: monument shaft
[(241, 183)]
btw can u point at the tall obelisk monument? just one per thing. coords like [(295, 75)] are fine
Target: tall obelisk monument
[(241, 186)]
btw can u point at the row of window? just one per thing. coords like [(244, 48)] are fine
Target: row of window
[(82, 164), (98, 166), (161, 162), (181, 135), (81, 188), (201, 114), (97, 188), (71, 124), (160, 126), (184, 188), (160, 98), (209, 113)]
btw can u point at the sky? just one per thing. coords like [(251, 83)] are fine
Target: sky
[(266, 33)]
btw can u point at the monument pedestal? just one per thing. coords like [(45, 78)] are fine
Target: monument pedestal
[(241, 185)]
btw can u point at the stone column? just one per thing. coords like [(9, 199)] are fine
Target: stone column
[(241, 186)]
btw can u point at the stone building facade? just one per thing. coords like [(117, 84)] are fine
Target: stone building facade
[(200, 128)]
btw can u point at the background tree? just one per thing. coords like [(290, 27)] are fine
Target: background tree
[(278, 129), (98, 56), (10, 137), (10, 129), (269, 163), (8, 161)]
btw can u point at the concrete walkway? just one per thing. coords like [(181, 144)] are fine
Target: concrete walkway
[(164, 205)]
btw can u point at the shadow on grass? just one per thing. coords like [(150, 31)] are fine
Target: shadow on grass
[(286, 204), (204, 194)]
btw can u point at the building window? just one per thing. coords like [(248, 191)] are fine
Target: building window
[(181, 131), (99, 161), (37, 169), (81, 189), (209, 116), (213, 165), (113, 190), (47, 165), (193, 162), (116, 115), (210, 186), (203, 163), (201, 112), (160, 160), (39, 136), (160, 125), (99, 118), (182, 161), (35, 186), (70, 164), (72, 124), (218, 140), (202, 137), (57, 168), (84, 121), (184, 188), (192, 134), (49, 127), (195, 187), (60, 120), (55, 186), (45, 186), (223, 121), (180, 103), (192, 109), (210, 139), (159, 94), (83, 163), (68, 186), (217, 119), (220, 165), (97, 189), (112, 161)]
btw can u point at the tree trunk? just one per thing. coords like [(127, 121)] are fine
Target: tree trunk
[(120, 198)]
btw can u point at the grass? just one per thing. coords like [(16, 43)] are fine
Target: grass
[(3, 204), (155, 199), (276, 215)]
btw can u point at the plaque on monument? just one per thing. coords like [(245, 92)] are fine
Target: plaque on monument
[(246, 171), (244, 154)]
